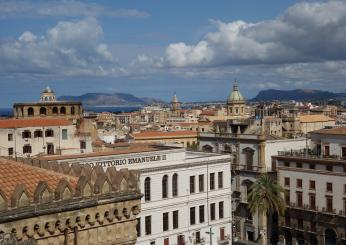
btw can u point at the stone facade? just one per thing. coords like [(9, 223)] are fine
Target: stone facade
[(98, 208)]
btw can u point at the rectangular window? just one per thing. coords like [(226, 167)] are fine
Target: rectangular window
[(313, 226), (312, 166), (10, 137), (287, 181), (201, 214), (329, 187), (201, 182), (312, 185), (287, 220), (212, 181), (312, 202), (64, 134), (299, 165), (198, 237), (82, 145), (212, 211), (175, 219), (299, 183), (147, 225), (300, 224), (220, 210), (300, 199), (165, 222), (192, 184), (343, 152), (344, 189), (138, 227), (220, 179), (329, 168), (192, 216), (287, 197), (329, 204), (10, 151), (286, 164), (26, 149)]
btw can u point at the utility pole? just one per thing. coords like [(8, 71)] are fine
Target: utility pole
[(210, 235)]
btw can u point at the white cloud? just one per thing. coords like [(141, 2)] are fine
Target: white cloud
[(306, 32), (65, 8)]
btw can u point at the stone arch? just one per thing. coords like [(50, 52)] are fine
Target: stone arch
[(55, 110), (20, 196), (330, 236), (63, 110), (42, 193), (31, 112), (102, 184), (84, 187), (43, 111), (63, 191), (123, 185), (3, 201)]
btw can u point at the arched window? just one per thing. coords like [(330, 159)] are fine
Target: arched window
[(165, 186), (55, 110), (72, 110), (175, 185), (43, 111), (63, 110), (147, 189), (30, 111), (49, 133)]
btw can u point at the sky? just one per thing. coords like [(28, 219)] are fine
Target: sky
[(154, 48)]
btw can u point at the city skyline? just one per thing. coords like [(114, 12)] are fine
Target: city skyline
[(146, 49)]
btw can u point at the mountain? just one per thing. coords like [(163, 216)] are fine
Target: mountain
[(116, 99), (297, 94)]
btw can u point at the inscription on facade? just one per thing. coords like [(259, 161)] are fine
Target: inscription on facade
[(128, 161)]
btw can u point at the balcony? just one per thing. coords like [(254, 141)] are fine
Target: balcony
[(230, 135), (310, 155)]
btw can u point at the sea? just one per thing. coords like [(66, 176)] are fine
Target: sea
[(8, 112)]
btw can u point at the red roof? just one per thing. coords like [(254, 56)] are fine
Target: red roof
[(34, 122)]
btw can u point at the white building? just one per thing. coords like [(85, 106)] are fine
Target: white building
[(185, 194), (41, 136)]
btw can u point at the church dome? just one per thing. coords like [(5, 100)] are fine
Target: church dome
[(175, 98), (235, 95), (47, 95)]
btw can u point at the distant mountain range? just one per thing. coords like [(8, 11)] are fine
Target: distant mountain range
[(115, 99), (297, 94)]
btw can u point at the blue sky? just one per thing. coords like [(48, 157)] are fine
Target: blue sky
[(153, 48)]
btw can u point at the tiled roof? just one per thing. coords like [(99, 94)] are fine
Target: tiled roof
[(34, 122), (332, 131), (14, 173), (314, 118), (160, 134)]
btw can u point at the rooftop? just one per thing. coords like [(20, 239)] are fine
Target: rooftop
[(331, 131), (37, 122), (161, 134), (314, 118)]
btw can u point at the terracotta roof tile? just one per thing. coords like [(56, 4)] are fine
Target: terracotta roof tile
[(332, 131), (160, 134), (314, 118), (34, 122)]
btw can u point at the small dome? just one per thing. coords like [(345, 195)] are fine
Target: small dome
[(235, 95), (48, 90), (175, 98)]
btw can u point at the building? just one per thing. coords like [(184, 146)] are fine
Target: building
[(37, 136), (44, 204), (314, 122), (315, 183), (175, 106), (48, 106), (183, 138), (186, 194), (236, 106)]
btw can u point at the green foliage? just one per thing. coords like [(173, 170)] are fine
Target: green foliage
[(266, 196)]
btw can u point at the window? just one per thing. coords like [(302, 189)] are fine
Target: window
[(138, 227), (26, 149), (201, 182), (299, 183), (220, 210), (287, 181), (286, 164), (312, 166), (192, 184), (329, 187), (287, 197), (212, 211), (10, 151), (299, 165), (165, 222), (38, 134), (313, 226), (63, 110), (192, 216), (147, 189), (287, 220), (26, 134), (329, 204), (152, 242), (49, 133), (64, 134), (55, 110), (198, 237), (300, 224), (175, 219), (147, 225), (165, 186), (212, 181), (72, 110), (82, 145), (220, 179), (312, 185), (300, 199), (201, 214), (10, 137), (312, 201), (345, 189), (175, 185), (329, 168)]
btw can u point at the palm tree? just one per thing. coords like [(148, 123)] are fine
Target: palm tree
[(266, 197)]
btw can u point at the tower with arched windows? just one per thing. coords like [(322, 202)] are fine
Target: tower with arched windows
[(236, 102)]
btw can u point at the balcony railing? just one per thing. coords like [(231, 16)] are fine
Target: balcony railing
[(249, 168), (309, 155), (229, 135)]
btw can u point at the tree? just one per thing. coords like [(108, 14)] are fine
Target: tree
[(266, 197)]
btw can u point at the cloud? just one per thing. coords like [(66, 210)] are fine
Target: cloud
[(70, 48), (306, 32), (65, 8)]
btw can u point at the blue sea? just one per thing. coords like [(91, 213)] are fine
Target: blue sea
[(7, 112)]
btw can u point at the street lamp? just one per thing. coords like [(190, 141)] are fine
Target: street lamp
[(210, 235)]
